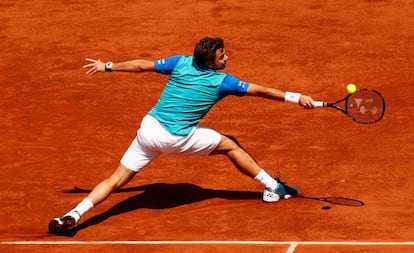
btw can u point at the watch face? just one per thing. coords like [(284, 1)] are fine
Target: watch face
[(108, 66)]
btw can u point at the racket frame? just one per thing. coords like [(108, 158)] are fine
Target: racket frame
[(344, 109)]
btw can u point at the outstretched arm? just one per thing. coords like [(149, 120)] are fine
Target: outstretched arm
[(276, 94), (95, 66)]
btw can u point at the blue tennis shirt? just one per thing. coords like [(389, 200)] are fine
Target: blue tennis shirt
[(190, 92)]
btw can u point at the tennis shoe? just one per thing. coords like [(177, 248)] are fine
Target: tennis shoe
[(61, 224), (282, 191)]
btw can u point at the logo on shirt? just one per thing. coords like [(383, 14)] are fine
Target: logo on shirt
[(242, 85)]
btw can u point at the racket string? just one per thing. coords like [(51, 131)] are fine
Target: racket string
[(366, 106)]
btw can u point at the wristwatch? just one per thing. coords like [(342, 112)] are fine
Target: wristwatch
[(108, 66)]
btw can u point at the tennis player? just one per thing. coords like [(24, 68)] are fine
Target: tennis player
[(171, 126)]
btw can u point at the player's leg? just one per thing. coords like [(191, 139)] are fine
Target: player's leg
[(205, 141), (245, 163), (135, 158), (121, 176)]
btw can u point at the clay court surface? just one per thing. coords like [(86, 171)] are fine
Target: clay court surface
[(63, 131)]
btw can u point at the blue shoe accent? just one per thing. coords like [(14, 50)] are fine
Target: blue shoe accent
[(283, 189)]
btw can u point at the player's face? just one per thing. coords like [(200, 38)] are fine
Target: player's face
[(221, 59)]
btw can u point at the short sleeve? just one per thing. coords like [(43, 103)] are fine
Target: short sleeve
[(166, 65), (233, 86)]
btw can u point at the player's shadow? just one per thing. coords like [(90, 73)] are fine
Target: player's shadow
[(159, 196)]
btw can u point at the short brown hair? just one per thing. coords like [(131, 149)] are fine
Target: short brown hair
[(205, 49)]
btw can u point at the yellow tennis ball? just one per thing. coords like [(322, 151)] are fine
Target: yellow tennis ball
[(351, 88)]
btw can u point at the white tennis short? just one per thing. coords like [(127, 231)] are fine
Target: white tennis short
[(152, 140)]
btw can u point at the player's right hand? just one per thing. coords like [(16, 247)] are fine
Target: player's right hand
[(307, 102)]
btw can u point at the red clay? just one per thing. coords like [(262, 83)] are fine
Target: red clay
[(62, 128)]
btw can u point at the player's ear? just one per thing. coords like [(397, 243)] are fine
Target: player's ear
[(209, 64)]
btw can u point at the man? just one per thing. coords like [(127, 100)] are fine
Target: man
[(171, 126)]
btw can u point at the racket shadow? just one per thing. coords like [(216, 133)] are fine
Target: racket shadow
[(342, 201)]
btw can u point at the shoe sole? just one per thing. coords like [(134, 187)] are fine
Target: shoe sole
[(58, 226), (270, 197)]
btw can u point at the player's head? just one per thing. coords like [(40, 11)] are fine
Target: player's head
[(210, 53)]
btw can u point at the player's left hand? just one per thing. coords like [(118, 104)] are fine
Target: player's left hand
[(94, 66), (307, 102)]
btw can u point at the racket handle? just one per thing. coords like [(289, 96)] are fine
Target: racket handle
[(319, 103)]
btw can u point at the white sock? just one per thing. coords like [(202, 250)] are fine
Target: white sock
[(83, 206), (266, 180)]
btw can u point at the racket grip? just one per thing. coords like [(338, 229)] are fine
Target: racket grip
[(319, 103)]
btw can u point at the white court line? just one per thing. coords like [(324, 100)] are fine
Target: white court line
[(292, 248), (292, 244)]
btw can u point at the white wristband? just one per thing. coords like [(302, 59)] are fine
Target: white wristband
[(292, 97)]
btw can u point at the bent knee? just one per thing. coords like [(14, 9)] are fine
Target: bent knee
[(121, 176), (227, 144)]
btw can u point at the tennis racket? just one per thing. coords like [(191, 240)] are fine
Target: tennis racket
[(365, 106), (337, 200)]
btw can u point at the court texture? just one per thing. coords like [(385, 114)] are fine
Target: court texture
[(62, 131)]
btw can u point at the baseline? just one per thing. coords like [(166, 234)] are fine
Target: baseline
[(291, 243)]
